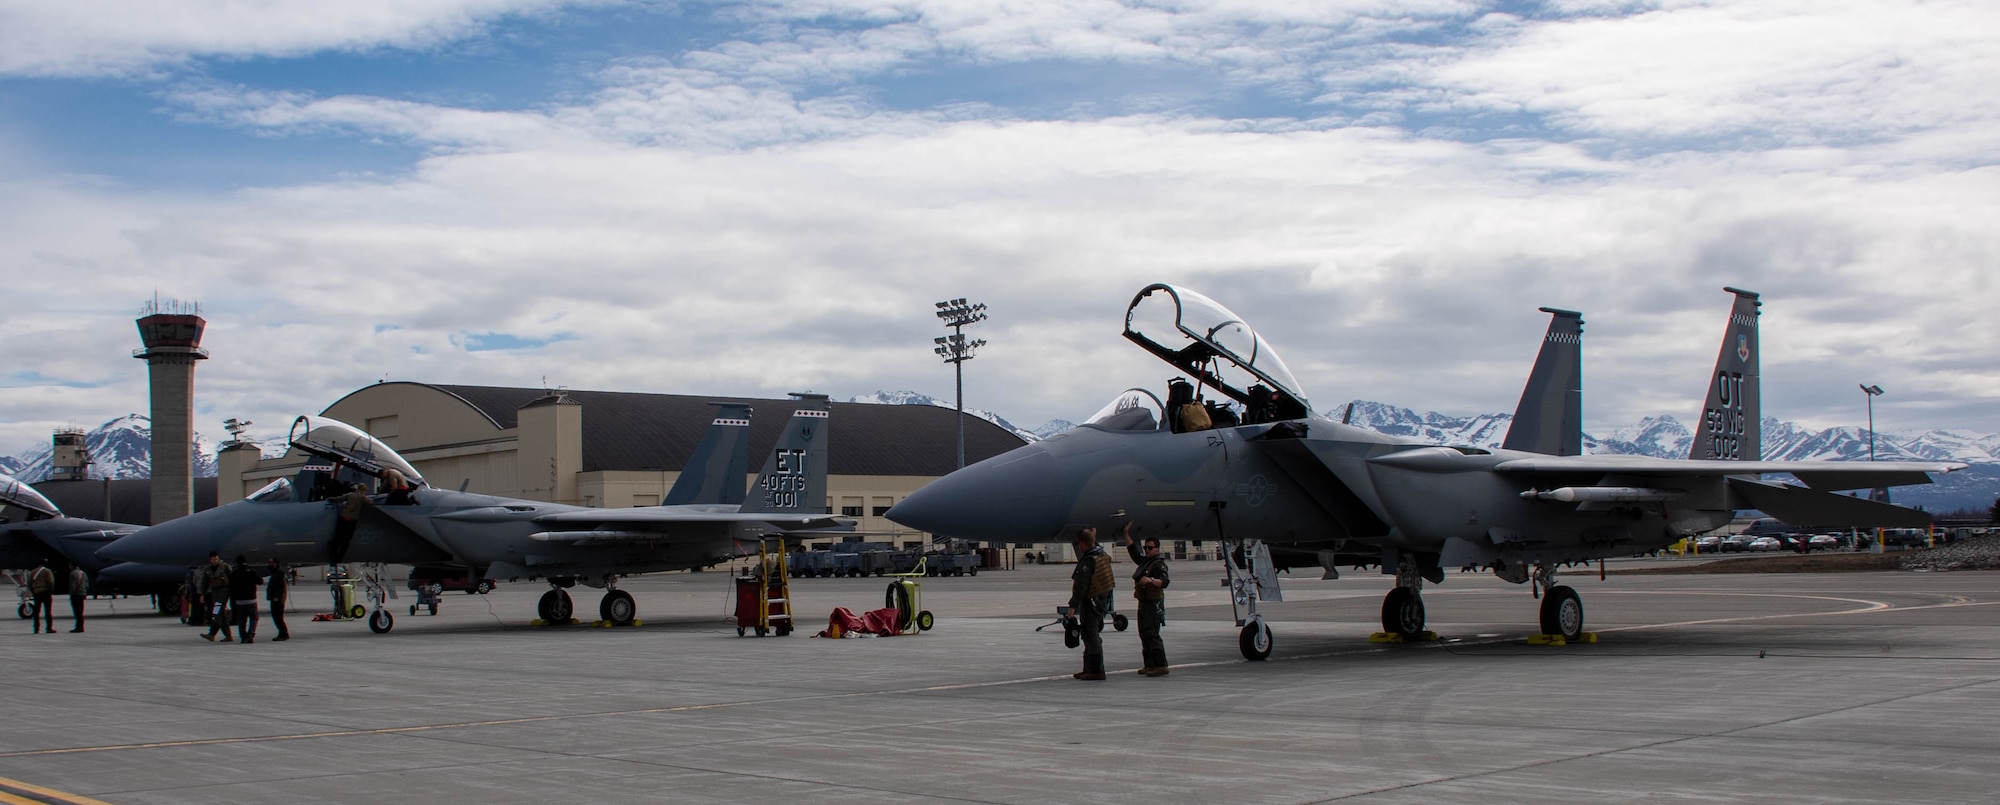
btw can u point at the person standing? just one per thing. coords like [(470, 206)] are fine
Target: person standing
[(215, 590), (42, 589), (243, 584), (350, 515), (1090, 587), (1149, 585), (274, 592), (79, 586)]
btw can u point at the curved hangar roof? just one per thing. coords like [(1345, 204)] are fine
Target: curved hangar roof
[(634, 431)]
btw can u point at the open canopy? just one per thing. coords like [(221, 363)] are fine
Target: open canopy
[(345, 444), (1199, 336), (17, 494)]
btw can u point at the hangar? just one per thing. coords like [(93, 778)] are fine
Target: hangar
[(616, 449)]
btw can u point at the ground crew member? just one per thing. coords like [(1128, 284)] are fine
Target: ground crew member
[(79, 586), (350, 515), (1090, 589), (42, 589), (243, 599), (1149, 585), (275, 592), (215, 587)]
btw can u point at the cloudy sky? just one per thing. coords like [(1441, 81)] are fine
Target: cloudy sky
[(761, 197)]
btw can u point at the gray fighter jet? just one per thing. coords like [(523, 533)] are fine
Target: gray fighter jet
[(1281, 486), (33, 528), (706, 519)]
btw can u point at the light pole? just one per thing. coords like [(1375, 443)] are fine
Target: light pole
[(955, 350), (1872, 392)]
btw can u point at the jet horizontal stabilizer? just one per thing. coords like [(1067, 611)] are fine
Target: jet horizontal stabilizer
[(1812, 507), (1859, 479)]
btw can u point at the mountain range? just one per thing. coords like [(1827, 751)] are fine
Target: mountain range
[(121, 448)]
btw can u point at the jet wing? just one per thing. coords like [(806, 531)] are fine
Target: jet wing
[(1819, 475)]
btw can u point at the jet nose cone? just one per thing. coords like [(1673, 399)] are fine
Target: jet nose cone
[(1014, 497)]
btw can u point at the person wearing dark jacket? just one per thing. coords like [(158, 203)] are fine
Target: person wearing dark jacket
[(1090, 587), (79, 586), (214, 580), (275, 593), (243, 583), (1149, 585), (349, 506), (42, 591)]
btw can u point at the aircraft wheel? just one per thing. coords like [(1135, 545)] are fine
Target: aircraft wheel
[(1119, 622), (25, 610), (555, 607), (925, 621), (1255, 641), (618, 608), (381, 622), (1562, 612), (1403, 612)]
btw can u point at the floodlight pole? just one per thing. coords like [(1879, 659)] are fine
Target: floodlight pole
[(956, 314), (1872, 392)]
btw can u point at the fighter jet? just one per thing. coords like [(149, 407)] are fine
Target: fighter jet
[(1281, 486), (706, 519), (33, 528)]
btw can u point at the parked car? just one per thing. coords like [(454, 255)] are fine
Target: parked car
[(1708, 543), (450, 578), (1766, 544), (1737, 542), (1825, 542)]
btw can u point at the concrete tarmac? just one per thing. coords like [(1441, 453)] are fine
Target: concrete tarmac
[(1860, 687)]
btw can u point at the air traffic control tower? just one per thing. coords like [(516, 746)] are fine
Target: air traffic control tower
[(172, 334)]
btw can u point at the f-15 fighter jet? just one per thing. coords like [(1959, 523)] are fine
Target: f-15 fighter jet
[(1282, 486)]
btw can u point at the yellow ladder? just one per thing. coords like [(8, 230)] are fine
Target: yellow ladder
[(775, 590)]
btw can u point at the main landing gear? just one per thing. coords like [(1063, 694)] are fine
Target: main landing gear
[(616, 608), (555, 608), (1562, 609), (1403, 607)]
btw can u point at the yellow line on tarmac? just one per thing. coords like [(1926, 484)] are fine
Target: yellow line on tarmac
[(21, 793)]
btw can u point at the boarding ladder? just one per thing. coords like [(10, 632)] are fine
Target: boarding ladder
[(774, 599)]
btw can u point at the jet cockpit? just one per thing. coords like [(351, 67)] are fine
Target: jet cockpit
[(17, 495), (1208, 342), (345, 456)]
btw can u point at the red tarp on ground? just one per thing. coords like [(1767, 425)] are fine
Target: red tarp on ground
[(844, 622)]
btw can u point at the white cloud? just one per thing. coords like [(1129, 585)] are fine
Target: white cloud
[(751, 220), (134, 37)]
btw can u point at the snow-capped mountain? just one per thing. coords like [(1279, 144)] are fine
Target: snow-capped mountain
[(119, 449), (913, 398), (1053, 427)]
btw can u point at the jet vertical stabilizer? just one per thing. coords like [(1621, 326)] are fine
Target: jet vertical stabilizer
[(714, 473), (1549, 418), (794, 477), (1730, 428)]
